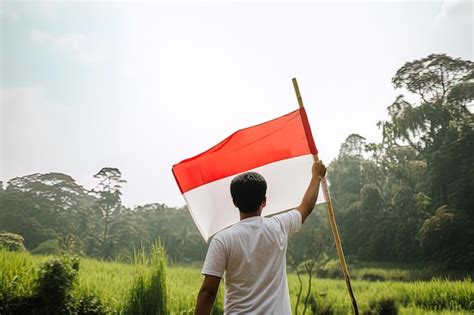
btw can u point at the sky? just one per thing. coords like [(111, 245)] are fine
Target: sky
[(142, 86)]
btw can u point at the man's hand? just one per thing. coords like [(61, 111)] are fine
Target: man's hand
[(309, 200), (319, 169)]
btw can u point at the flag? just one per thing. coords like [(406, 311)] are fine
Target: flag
[(281, 150)]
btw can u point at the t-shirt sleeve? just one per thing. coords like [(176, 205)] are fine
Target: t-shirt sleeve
[(290, 221), (215, 262)]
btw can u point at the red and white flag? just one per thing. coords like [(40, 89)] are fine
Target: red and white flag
[(280, 150)]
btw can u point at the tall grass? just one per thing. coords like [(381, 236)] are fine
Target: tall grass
[(17, 273), (148, 293), (140, 288), (110, 281), (183, 284)]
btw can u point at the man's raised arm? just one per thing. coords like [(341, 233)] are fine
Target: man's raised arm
[(309, 200)]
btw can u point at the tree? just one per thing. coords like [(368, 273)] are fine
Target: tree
[(175, 228), (439, 129), (44, 206), (109, 202), (444, 87), (447, 235), (345, 172), (354, 146), (433, 77)]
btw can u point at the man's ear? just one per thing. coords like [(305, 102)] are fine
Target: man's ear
[(233, 201), (264, 202)]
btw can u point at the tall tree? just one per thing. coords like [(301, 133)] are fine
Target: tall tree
[(109, 202), (440, 125), (443, 85), (424, 162), (44, 206)]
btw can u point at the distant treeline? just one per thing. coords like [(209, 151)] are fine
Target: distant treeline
[(54, 214), (408, 198), (411, 197)]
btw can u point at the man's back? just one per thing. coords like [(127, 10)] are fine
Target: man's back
[(252, 254)]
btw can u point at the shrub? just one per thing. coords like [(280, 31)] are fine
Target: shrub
[(330, 269), (383, 306), (446, 235), (12, 242), (90, 304), (55, 282), (320, 306), (373, 275), (378, 274), (50, 247), (51, 290), (15, 304)]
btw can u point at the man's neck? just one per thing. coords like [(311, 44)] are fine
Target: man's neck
[(244, 215)]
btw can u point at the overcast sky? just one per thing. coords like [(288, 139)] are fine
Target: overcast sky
[(140, 87)]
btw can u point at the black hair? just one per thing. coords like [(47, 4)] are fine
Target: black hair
[(248, 190)]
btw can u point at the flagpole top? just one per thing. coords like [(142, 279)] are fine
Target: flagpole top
[(298, 94), (301, 105)]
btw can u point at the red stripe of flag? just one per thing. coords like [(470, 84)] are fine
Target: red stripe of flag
[(285, 137)]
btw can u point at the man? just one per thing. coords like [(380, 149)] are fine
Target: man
[(252, 252)]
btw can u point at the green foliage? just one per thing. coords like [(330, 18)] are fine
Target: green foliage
[(407, 199), (383, 306), (11, 241), (90, 304), (17, 272), (379, 274), (48, 206), (148, 294), (448, 233), (330, 269), (46, 290), (386, 195), (433, 77), (319, 305), (54, 214), (110, 284), (51, 247), (109, 194), (54, 285)]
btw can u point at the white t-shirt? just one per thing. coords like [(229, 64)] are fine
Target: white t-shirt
[(252, 253)]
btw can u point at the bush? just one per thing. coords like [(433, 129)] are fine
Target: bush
[(378, 274), (446, 235), (373, 276), (383, 306), (50, 247), (52, 290), (90, 304), (55, 282), (15, 304), (12, 242), (330, 269), (320, 306)]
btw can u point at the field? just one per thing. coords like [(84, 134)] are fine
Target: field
[(111, 282)]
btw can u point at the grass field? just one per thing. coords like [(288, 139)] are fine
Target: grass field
[(111, 283)]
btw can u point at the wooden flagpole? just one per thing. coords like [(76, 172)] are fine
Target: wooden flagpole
[(332, 219)]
